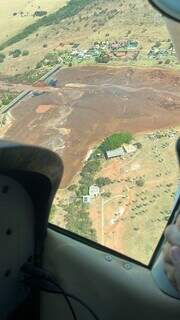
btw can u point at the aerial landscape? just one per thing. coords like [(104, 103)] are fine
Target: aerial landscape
[(99, 85)]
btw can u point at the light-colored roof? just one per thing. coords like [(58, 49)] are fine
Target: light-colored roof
[(129, 148), (119, 152), (86, 199), (94, 189)]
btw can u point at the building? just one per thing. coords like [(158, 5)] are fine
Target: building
[(119, 152), (129, 148), (94, 191), (86, 199)]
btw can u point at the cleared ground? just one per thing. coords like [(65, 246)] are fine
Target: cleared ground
[(92, 103)]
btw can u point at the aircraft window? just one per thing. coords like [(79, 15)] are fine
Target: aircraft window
[(97, 83)]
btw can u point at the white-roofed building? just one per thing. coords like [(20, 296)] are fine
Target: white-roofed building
[(86, 199), (94, 191), (119, 152)]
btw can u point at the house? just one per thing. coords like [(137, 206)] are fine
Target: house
[(119, 152), (86, 199), (94, 191), (129, 148)]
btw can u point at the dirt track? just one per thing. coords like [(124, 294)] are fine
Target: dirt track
[(93, 102)]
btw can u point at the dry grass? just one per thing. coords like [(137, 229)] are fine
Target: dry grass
[(80, 29), (10, 25), (147, 208)]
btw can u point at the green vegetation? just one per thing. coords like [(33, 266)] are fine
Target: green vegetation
[(52, 212), (76, 216), (106, 194), (15, 53), (25, 53), (78, 221), (115, 141), (103, 58), (71, 9), (102, 181), (87, 177), (72, 187), (76, 213), (29, 76), (40, 13), (2, 57), (6, 97), (140, 182), (91, 167)]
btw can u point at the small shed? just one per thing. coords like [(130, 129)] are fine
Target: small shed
[(86, 199), (129, 148), (94, 191), (119, 152)]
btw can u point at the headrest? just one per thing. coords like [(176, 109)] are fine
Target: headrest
[(29, 178)]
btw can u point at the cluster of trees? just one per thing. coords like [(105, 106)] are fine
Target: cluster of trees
[(7, 97), (72, 8), (14, 53), (103, 58), (140, 182), (78, 221), (40, 13), (115, 141), (102, 181), (2, 57), (17, 52), (87, 177)]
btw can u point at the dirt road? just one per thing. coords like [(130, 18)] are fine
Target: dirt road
[(19, 87)]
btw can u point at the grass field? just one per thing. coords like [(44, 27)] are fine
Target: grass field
[(145, 209), (11, 24)]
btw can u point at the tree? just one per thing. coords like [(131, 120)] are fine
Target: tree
[(102, 181), (72, 187), (91, 167), (25, 53), (115, 141), (140, 182), (15, 53), (2, 57), (40, 13), (102, 58), (138, 145)]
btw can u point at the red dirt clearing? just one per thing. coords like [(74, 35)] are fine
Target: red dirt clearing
[(93, 102), (44, 108)]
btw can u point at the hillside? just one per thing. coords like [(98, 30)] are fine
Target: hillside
[(84, 22), (21, 13)]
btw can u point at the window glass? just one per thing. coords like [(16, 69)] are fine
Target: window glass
[(98, 83)]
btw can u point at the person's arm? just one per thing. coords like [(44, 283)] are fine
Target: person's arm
[(171, 252)]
